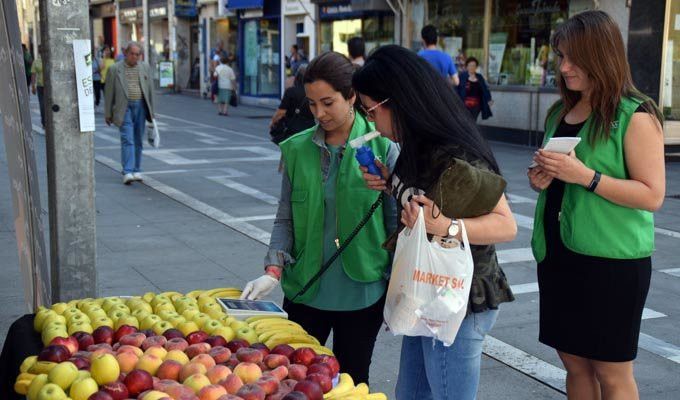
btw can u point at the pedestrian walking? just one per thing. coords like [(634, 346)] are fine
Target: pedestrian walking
[(593, 231), (28, 62), (128, 104), (96, 78), (293, 114), (474, 91), (107, 62), (37, 82), (411, 105), (441, 61), (323, 199), (357, 50), (226, 83)]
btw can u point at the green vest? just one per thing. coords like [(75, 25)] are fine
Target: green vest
[(590, 224), (364, 260)]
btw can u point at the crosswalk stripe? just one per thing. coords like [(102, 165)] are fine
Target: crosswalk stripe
[(659, 347), (515, 255), (671, 271)]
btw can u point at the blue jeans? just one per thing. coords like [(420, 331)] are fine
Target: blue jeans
[(430, 370), (131, 134)]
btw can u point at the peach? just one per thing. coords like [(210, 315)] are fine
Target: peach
[(196, 382), (149, 363), (176, 344), (280, 372), (275, 360), (236, 344), (232, 383), (133, 339), (248, 372), (180, 391), (127, 361), (196, 349), (220, 354), (297, 372), (218, 373), (303, 355), (169, 369), (261, 347), (153, 341), (97, 351), (288, 383), (232, 362), (204, 359), (164, 384), (211, 392), (126, 348), (251, 392), (268, 383), (159, 352), (250, 355), (178, 356), (191, 369), (280, 394), (229, 397)]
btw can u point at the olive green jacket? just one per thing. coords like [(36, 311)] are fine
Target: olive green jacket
[(116, 92)]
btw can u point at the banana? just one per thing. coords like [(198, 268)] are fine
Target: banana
[(25, 376), (28, 363), (376, 396), (194, 294), (41, 367), (317, 348), (226, 295), (261, 317), (280, 328), (345, 384), (172, 295), (286, 338), (21, 386), (223, 290), (359, 390), (263, 325), (266, 335)]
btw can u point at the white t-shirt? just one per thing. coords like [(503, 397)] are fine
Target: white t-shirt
[(224, 75)]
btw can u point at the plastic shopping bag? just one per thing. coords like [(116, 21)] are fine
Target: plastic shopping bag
[(430, 285), (152, 134)]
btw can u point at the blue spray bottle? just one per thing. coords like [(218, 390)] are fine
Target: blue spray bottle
[(364, 154)]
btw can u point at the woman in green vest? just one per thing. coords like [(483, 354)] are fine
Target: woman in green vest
[(412, 104), (323, 198), (594, 230)]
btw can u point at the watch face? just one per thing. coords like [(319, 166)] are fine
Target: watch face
[(453, 229)]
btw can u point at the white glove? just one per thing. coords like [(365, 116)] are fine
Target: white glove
[(259, 287)]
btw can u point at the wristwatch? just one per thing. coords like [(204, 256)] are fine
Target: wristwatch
[(454, 228)]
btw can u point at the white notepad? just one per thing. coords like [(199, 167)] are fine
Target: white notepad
[(562, 145)]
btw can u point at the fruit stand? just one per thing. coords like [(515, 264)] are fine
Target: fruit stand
[(175, 346)]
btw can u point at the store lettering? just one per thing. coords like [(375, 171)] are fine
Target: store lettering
[(437, 279), (539, 7), (337, 9)]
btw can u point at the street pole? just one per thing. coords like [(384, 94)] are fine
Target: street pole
[(21, 166), (172, 33), (145, 29), (70, 154)]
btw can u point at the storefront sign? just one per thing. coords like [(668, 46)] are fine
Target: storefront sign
[(497, 43), (166, 73), (256, 13), (336, 10), (186, 9), (82, 56), (244, 4), (158, 12), (131, 15), (296, 7), (538, 7)]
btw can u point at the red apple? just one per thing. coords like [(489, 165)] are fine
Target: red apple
[(311, 389), (251, 392), (197, 337), (84, 339), (117, 390), (268, 383), (122, 331), (236, 344), (70, 342), (322, 368), (295, 395), (103, 334), (330, 360), (55, 353), (215, 341), (283, 349), (133, 339), (297, 372), (220, 354), (81, 362), (138, 381), (323, 380), (303, 355), (173, 333), (275, 360), (246, 354), (100, 395), (262, 347)]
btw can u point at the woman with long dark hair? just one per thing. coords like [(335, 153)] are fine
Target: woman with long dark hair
[(323, 199), (594, 229), (412, 105)]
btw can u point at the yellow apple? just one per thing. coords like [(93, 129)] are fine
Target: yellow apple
[(51, 392), (142, 305), (248, 334), (236, 325), (105, 369), (149, 321), (82, 389), (159, 299), (161, 326), (80, 317), (165, 305), (59, 308), (63, 374), (226, 332), (210, 325), (141, 313), (176, 320), (187, 327), (36, 384), (177, 355), (190, 313), (70, 312), (110, 302), (80, 327), (40, 317), (102, 321), (201, 319), (126, 320), (53, 317), (117, 314)]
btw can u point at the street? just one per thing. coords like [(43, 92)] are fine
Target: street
[(203, 216)]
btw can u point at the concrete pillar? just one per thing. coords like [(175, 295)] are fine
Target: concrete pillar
[(146, 30), (70, 155)]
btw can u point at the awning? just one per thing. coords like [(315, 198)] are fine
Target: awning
[(244, 4)]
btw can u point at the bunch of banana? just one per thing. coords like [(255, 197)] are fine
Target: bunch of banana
[(291, 337), (228, 292), (317, 348), (23, 382), (346, 390)]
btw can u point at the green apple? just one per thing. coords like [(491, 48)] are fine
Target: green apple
[(104, 369), (210, 325), (187, 327), (40, 318), (236, 325), (51, 392), (96, 312), (49, 334), (126, 320), (216, 314), (109, 302), (248, 334), (201, 319), (63, 374), (117, 314), (80, 327), (176, 320), (82, 374), (226, 332), (36, 384), (161, 326), (203, 300), (141, 313), (53, 317), (70, 312), (166, 314), (159, 299), (102, 321), (149, 321), (142, 305), (59, 308), (166, 305), (80, 317), (190, 313), (83, 389)]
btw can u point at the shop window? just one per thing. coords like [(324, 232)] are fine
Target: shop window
[(261, 58), (519, 45)]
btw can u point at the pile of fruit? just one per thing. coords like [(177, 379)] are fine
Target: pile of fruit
[(172, 346)]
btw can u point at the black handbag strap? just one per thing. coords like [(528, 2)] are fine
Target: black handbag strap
[(340, 249)]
